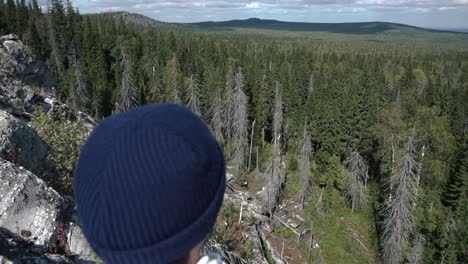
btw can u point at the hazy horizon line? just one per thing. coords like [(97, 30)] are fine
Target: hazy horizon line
[(455, 29)]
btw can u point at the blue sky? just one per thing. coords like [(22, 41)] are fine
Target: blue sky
[(425, 13)]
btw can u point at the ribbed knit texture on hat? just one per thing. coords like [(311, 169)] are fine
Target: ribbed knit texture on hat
[(149, 184)]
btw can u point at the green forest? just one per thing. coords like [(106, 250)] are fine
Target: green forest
[(370, 127)]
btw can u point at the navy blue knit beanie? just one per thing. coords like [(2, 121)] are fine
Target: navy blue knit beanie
[(149, 184)]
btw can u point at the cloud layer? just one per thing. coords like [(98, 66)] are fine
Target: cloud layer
[(428, 13)]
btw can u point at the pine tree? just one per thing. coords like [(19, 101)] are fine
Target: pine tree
[(11, 17), (3, 16), (36, 8), (458, 181), (58, 24), (54, 42)]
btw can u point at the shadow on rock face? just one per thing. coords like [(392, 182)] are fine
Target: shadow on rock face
[(16, 249), (20, 63)]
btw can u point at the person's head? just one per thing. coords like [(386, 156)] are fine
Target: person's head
[(148, 186)]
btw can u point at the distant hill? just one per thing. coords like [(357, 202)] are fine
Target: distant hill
[(344, 28), (357, 28), (134, 18)]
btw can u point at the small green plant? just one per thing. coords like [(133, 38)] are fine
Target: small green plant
[(293, 165), (283, 232), (96, 258), (64, 139), (228, 232)]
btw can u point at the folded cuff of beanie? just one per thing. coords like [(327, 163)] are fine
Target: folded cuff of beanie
[(176, 246)]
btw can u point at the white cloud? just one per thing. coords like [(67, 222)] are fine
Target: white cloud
[(252, 5), (447, 8)]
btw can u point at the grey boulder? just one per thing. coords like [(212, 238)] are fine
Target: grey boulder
[(28, 207), (20, 144)]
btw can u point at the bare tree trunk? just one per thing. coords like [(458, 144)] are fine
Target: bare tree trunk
[(321, 194), (175, 85), (257, 159), (193, 92), (306, 152), (241, 209), (277, 178), (286, 225), (356, 186), (311, 240), (263, 138), (251, 144), (240, 124), (229, 103), (78, 93), (416, 253), (217, 123), (128, 93), (311, 85), (398, 212)]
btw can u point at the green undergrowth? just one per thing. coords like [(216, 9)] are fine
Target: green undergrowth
[(229, 233), (337, 229), (343, 236), (283, 232)]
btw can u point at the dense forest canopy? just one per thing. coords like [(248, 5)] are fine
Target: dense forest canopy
[(378, 123)]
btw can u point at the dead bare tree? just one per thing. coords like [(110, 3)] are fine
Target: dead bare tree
[(449, 227), (263, 138), (229, 103), (278, 113), (398, 214), (251, 144), (277, 177), (128, 92), (217, 123), (422, 85), (239, 123), (356, 186), (416, 254), (175, 85), (311, 87), (390, 85), (193, 95), (306, 154), (311, 240)]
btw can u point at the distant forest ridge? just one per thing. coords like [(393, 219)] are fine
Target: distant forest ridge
[(270, 24)]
